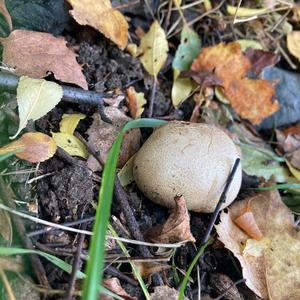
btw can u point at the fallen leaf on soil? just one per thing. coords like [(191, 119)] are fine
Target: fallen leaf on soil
[(136, 102), (204, 78), (176, 228), (181, 90), (103, 17), (275, 273), (246, 222), (230, 66), (148, 268), (114, 285), (260, 59), (126, 173), (36, 97), (188, 49), (293, 43), (252, 99), (165, 292), (246, 44), (66, 139), (35, 54), (32, 146), (5, 13), (102, 135), (154, 47)]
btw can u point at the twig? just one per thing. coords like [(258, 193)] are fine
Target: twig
[(9, 83), (229, 288), (75, 265), (7, 286), (116, 273), (151, 102)]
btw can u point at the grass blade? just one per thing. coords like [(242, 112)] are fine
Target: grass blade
[(94, 270)]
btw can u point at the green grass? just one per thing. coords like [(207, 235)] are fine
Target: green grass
[(94, 270)]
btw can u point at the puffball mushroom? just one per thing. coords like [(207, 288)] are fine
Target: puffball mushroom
[(189, 159)]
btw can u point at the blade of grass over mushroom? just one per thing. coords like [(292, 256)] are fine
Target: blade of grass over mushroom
[(6, 251), (6, 155), (281, 186), (95, 264)]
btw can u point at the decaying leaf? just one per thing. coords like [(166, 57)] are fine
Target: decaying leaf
[(273, 271), (103, 17), (66, 139), (35, 54), (230, 66), (181, 90), (32, 146), (165, 292), (176, 228), (114, 285), (154, 47), (5, 13), (36, 97), (136, 102), (102, 135), (148, 268), (293, 43)]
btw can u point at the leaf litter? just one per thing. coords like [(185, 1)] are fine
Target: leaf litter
[(259, 230)]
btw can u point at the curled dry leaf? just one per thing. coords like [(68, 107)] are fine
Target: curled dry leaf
[(176, 228), (154, 47), (272, 270), (35, 54), (33, 147), (114, 285), (102, 135), (103, 17), (230, 66), (136, 102)]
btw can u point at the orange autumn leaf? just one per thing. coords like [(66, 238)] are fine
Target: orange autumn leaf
[(103, 17), (246, 222), (33, 147), (136, 102), (35, 54), (251, 99)]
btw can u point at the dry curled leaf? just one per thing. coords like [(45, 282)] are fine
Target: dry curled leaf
[(103, 17), (32, 146), (176, 228), (251, 99), (136, 102), (102, 135), (114, 285), (35, 97), (35, 54), (272, 269)]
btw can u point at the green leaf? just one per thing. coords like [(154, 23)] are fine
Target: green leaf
[(95, 263), (155, 48), (36, 97), (189, 48)]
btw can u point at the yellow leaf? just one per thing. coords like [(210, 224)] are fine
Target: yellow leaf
[(256, 248), (245, 44), (69, 122), (103, 17), (181, 90), (70, 144), (293, 43), (136, 102), (36, 97), (133, 50), (154, 47), (32, 146), (293, 170), (245, 11), (126, 174)]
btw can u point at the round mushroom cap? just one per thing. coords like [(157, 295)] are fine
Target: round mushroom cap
[(189, 159)]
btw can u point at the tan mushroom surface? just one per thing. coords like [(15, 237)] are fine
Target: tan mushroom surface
[(189, 159)]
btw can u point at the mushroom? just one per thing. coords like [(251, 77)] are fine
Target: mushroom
[(189, 159)]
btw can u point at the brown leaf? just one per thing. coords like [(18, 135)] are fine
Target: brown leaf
[(103, 17), (260, 59), (148, 268), (204, 78), (252, 99), (32, 146), (102, 135), (176, 228), (275, 272), (165, 292), (136, 102), (35, 54), (114, 285)]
